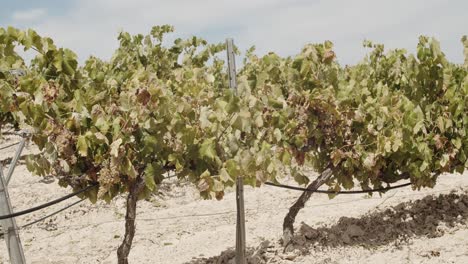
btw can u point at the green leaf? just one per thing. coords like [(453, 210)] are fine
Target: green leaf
[(92, 195), (440, 124), (457, 143), (232, 168), (127, 168), (300, 178), (30, 163), (102, 125), (152, 172), (286, 157), (243, 121), (397, 143), (207, 149), (418, 126), (82, 146)]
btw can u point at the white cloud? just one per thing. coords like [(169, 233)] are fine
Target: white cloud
[(91, 26), (29, 15)]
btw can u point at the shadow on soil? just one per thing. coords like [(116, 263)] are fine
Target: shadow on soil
[(431, 216)]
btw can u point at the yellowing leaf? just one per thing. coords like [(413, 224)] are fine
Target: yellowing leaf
[(217, 186), (277, 134), (369, 161), (445, 159), (423, 166), (115, 147), (101, 137), (224, 175)]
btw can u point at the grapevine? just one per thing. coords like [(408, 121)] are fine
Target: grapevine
[(156, 108)]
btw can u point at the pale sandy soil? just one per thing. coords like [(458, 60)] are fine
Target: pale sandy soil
[(175, 226)]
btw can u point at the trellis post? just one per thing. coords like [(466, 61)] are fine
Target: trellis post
[(240, 224)]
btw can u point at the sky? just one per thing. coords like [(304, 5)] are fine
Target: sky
[(90, 27)]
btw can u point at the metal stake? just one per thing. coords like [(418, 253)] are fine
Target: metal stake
[(12, 239), (13, 162), (240, 225)]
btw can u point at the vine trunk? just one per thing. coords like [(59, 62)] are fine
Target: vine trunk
[(288, 222), (124, 249)]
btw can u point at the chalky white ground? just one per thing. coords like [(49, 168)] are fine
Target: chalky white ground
[(176, 226)]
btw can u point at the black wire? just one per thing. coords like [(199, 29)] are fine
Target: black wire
[(332, 192), (9, 146), (42, 206), (52, 214), (14, 133)]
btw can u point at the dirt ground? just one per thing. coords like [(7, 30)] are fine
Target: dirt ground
[(176, 226)]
